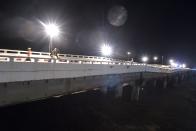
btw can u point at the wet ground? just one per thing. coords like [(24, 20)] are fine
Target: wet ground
[(172, 109)]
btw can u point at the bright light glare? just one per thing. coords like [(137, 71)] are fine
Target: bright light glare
[(171, 61), (155, 58), (128, 53), (106, 50), (51, 29), (183, 65), (145, 59), (173, 64)]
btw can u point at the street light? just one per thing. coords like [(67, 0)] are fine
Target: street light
[(171, 61), (174, 64), (183, 65), (52, 30), (155, 58), (106, 50), (128, 54), (144, 58)]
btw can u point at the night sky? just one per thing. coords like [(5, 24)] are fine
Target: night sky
[(160, 27)]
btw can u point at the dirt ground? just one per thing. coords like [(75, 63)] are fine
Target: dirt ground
[(171, 109)]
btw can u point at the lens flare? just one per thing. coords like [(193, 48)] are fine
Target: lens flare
[(145, 59), (106, 50), (51, 29)]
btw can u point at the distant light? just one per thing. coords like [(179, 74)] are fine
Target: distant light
[(173, 64), (171, 61), (106, 50), (145, 59), (176, 64), (128, 53), (183, 65), (155, 58)]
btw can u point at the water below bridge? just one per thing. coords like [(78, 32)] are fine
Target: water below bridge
[(171, 109)]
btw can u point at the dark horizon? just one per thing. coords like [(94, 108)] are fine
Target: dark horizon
[(164, 28)]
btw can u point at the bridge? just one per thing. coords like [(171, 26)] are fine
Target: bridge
[(27, 77)]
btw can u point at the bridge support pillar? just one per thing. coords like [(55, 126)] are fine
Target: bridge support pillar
[(119, 90), (182, 77), (137, 94), (137, 90), (104, 90), (154, 83), (176, 79), (165, 83)]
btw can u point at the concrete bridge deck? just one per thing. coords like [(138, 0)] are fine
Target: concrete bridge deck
[(43, 77)]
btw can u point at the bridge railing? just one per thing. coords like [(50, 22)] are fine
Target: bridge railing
[(64, 60), (7, 55), (4, 53), (21, 56)]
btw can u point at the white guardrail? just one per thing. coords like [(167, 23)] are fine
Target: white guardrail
[(21, 56), (7, 55)]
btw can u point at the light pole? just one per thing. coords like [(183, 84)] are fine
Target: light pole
[(145, 59), (162, 60), (52, 30), (50, 45), (128, 55)]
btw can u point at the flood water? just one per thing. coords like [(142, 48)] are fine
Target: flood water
[(171, 109)]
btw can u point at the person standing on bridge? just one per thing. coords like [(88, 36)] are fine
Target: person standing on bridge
[(55, 52), (29, 52)]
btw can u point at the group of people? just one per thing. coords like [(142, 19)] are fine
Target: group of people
[(54, 54)]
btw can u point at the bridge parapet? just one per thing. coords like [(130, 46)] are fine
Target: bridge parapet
[(41, 76), (17, 71), (14, 66)]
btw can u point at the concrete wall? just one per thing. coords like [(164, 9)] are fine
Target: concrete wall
[(17, 92), (18, 71), (21, 82)]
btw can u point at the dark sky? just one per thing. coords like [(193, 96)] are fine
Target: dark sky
[(159, 27)]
